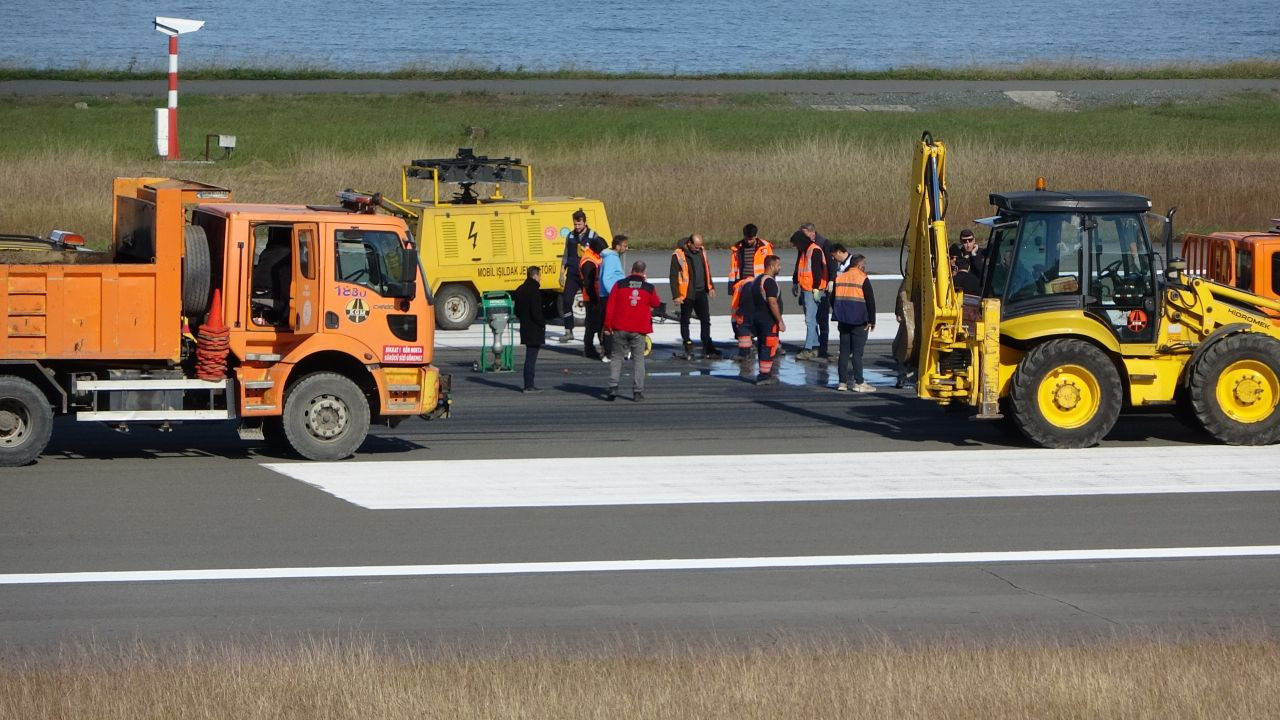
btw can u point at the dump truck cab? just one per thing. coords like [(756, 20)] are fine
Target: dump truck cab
[(480, 227)]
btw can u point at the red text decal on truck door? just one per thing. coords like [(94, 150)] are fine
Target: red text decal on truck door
[(402, 353)]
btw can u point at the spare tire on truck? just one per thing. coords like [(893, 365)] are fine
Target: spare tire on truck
[(26, 421), (197, 273)]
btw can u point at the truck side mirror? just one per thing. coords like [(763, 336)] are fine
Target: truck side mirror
[(406, 286)]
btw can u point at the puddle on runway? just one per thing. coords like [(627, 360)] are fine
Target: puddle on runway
[(789, 370)]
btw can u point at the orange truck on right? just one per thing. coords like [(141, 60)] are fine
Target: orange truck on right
[(1247, 261)]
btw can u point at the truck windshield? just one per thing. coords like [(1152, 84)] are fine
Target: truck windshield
[(369, 258)]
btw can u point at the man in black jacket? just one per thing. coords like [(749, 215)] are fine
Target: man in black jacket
[(533, 326)]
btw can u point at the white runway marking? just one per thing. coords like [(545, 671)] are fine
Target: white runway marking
[(561, 482), (593, 566)]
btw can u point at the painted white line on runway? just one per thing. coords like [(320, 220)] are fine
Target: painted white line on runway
[(804, 477), (596, 566), (668, 333)]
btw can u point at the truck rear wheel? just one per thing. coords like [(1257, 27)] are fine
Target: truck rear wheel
[(1235, 388), (1065, 394), (326, 417), (26, 421), (456, 307), (197, 273)]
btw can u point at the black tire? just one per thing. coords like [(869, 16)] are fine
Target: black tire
[(26, 421), (1082, 394), (1244, 371), (197, 274), (326, 417), (456, 307)]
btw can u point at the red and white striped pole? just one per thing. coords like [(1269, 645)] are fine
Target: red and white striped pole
[(173, 27), (173, 98)]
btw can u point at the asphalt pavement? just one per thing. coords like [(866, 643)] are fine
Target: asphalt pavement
[(252, 551)]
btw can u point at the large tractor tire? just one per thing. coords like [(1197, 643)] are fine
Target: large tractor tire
[(26, 421), (197, 274), (326, 417), (1065, 393), (456, 307), (1235, 388)]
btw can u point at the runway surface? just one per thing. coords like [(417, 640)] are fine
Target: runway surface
[(714, 509)]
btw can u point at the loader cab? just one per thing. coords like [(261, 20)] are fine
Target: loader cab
[(1074, 251)]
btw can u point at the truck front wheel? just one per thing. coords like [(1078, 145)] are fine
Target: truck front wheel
[(26, 421), (326, 417), (1065, 393)]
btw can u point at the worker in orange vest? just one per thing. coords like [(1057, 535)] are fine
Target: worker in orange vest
[(854, 307), (766, 317), (746, 257), (809, 283), (740, 317), (692, 288), (589, 271)]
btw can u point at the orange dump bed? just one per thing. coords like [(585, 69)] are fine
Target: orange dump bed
[(129, 309)]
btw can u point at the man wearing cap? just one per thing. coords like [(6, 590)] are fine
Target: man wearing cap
[(968, 248)]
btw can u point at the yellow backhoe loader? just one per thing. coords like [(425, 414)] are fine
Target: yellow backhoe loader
[(1079, 319)]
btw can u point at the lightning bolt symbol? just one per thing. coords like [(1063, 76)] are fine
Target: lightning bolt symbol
[(472, 235)]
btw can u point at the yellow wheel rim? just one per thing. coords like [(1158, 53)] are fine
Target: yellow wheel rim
[(1247, 391), (1069, 396)]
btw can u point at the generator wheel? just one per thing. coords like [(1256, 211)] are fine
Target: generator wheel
[(326, 416), (197, 273), (1065, 393), (26, 421), (456, 307), (1235, 388)]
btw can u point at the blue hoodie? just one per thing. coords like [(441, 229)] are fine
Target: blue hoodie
[(610, 271)]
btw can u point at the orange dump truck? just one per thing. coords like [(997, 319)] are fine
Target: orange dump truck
[(303, 323), (1245, 260)]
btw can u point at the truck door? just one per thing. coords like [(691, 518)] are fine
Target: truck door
[(304, 303), (1122, 289)]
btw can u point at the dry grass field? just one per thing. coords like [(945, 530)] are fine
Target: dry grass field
[(1213, 680), (662, 172)]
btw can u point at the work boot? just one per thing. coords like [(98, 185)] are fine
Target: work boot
[(766, 380), (566, 336), (638, 396), (613, 393), (805, 355), (712, 354)]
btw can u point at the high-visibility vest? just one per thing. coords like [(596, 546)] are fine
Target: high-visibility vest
[(684, 277), (763, 250), (804, 269), (850, 302), (735, 300), (589, 256)]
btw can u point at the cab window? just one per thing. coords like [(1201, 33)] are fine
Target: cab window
[(1048, 258), (1121, 262), (368, 258)]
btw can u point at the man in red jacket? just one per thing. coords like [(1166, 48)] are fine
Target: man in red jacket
[(628, 320)]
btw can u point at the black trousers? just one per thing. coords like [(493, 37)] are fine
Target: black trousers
[(699, 304), (571, 287), (595, 323), (824, 324), (853, 341), (530, 359)]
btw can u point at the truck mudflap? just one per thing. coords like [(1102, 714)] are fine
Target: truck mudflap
[(444, 400)]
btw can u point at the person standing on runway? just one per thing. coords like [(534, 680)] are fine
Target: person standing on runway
[(576, 240), (628, 321), (766, 318), (533, 327), (854, 308), (692, 288)]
